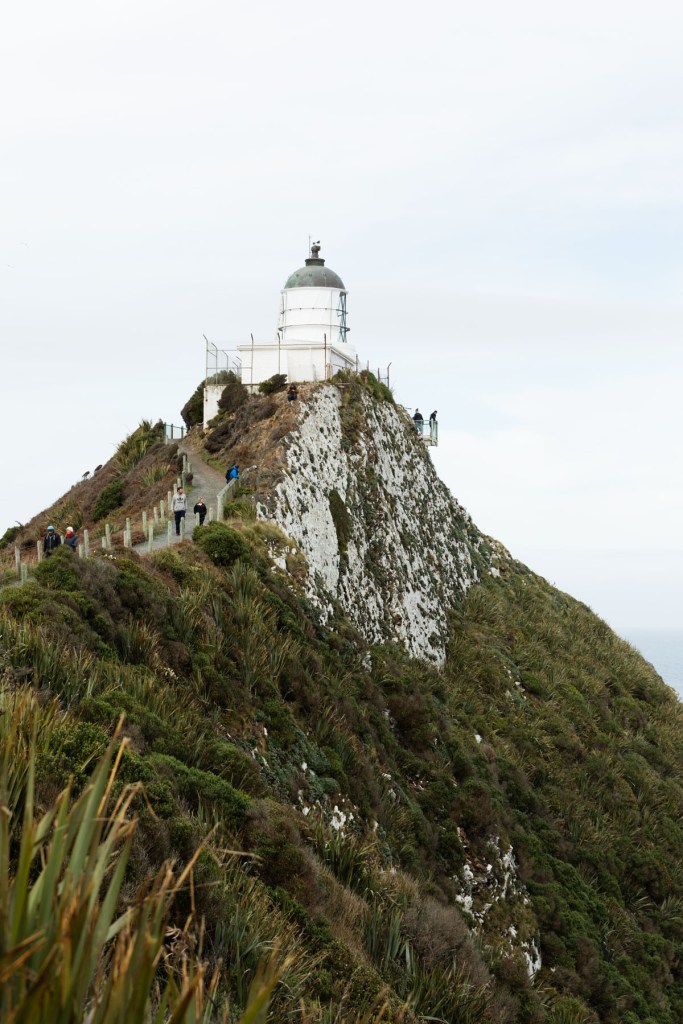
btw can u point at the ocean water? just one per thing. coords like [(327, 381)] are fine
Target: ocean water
[(663, 648)]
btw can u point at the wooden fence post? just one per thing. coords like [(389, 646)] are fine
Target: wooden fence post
[(39, 550), (144, 521), (150, 540), (86, 543), (169, 532), (107, 535), (17, 560), (23, 573)]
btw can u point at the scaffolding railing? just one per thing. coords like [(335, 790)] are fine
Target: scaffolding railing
[(220, 362), (173, 432), (428, 430)]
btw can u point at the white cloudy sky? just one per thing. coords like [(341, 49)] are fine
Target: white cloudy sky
[(498, 184)]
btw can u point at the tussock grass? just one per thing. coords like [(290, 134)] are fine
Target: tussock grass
[(137, 444)]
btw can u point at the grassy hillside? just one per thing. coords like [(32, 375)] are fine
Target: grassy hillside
[(387, 840)]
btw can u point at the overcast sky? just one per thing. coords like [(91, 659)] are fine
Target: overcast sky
[(499, 186)]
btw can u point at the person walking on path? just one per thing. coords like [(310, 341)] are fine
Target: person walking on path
[(233, 473), (200, 510), (71, 538), (51, 541), (179, 506)]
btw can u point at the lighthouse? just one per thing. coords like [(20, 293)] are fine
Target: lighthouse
[(312, 329)]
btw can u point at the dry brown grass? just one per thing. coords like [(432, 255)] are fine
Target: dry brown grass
[(75, 507)]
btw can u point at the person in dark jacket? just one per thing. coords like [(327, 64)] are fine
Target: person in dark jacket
[(200, 510), (418, 420), (292, 393), (51, 541), (71, 538), (432, 419), (233, 473)]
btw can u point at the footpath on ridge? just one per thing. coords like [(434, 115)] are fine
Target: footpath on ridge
[(206, 483)]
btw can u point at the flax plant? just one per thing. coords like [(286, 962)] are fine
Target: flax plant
[(67, 944), (66, 948)]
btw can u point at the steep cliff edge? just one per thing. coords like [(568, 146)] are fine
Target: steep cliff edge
[(382, 535)]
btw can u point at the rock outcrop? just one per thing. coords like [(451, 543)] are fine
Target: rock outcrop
[(382, 535)]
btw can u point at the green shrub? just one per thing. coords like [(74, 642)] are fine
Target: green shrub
[(278, 382), (276, 840), (59, 571), (196, 786), (231, 763), (137, 444), (221, 543), (9, 535), (233, 398), (110, 498), (341, 520), (169, 561), (375, 387), (193, 410)]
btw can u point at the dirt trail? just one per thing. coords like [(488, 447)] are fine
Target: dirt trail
[(206, 483)]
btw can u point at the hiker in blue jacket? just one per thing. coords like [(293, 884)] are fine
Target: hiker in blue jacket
[(233, 473)]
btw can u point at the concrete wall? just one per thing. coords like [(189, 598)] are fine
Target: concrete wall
[(212, 394), (301, 361)]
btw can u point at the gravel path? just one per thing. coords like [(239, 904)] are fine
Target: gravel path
[(207, 484)]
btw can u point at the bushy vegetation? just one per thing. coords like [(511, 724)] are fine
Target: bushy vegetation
[(137, 444), (193, 410), (406, 837), (237, 704), (368, 382), (9, 535), (221, 543), (233, 398), (341, 520), (278, 382), (111, 498)]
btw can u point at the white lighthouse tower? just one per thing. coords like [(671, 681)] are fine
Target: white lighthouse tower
[(311, 342)]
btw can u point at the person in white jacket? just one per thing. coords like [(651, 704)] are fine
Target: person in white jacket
[(179, 506)]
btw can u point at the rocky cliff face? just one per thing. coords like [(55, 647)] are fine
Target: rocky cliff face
[(381, 533)]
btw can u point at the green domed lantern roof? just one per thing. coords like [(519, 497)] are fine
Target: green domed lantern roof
[(315, 274)]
